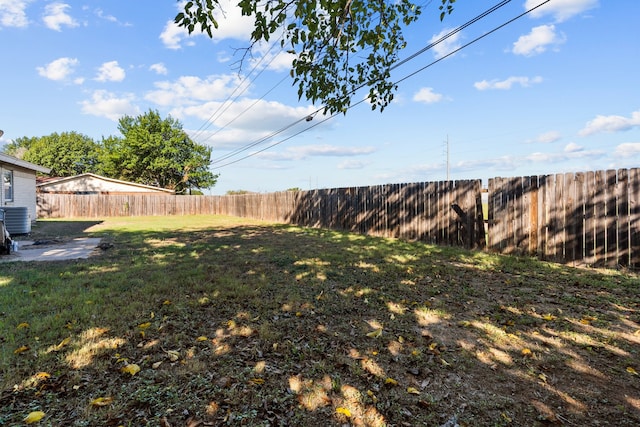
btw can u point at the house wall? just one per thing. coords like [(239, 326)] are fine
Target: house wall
[(24, 189), (89, 184)]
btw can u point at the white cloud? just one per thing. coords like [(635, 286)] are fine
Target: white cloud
[(324, 150), (547, 137), (59, 69), (353, 164), (172, 35), (611, 124), (446, 46), (188, 90), (572, 147), (537, 41), (231, 24), (280, 61), (507, 83), (248, 114), (159, 68), (628, 149), (106, 104), (56, 16), (110, 72), (13, 13), (100, 14), (427, 95), (561, 10)]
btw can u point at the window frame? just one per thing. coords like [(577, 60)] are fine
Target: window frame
[(8, 191)]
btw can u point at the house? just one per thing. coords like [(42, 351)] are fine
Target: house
[(89, 183), (18, 185)]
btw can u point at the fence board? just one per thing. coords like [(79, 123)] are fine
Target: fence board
[(622, 197), (580, 204), (634, 218), (611, 236)]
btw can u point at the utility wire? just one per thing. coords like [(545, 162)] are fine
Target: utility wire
[(275, 133), (431, 45), (219, 111)]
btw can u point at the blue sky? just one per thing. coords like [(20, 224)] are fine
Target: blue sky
[(555, 91)]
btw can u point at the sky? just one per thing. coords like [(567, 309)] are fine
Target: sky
[(557, 90)]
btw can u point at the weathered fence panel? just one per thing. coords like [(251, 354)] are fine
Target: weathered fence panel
[(583, 218)]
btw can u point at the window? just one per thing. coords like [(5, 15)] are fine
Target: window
[(7, 185)]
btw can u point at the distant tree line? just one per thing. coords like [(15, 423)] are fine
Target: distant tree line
[(151, 151)]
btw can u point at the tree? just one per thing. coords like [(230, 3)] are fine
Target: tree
[(155, 151), (339, 46), (66, 154)]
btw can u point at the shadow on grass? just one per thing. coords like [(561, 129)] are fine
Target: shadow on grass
[(60, 229), (279, 325)]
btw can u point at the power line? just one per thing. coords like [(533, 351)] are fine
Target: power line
[(430, 46), (218, 111)]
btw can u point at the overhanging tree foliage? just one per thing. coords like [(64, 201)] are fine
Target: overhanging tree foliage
[(66, 154), (156, 151), (339, 46)]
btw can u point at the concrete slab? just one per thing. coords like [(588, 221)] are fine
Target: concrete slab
[(79, 248)]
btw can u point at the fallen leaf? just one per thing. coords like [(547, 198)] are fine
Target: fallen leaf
[(173, 355), (21, 349), (201, 338), (131, 368), (527, 352), (101, 401), (343, 411), (166, 302), (444, 362), (144, 325), (257, 381), (43, 375), (375, 334), (464, 323), (22, 325), (412, 390), (34, 417), (156, 365), (63, 343), (631, 371), (390, 381), (549, 317)]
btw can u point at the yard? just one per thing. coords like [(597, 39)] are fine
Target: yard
[(209, 321)]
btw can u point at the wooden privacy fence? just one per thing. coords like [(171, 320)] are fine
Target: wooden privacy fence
[(446, 212), (590, 218)]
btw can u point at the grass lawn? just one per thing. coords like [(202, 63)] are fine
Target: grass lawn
[(208, 321)]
